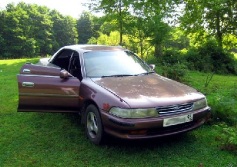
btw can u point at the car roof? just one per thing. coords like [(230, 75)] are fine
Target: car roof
[(94, 47)]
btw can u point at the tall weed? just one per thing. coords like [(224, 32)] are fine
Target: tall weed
[(227, 137)]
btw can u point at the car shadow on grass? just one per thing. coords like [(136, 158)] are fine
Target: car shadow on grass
[(67, 128), (111, 141), (148, 143)]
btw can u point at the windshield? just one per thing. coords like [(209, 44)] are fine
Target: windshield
[(113, 63)]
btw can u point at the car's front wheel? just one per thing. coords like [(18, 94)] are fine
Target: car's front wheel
[(94, 128)]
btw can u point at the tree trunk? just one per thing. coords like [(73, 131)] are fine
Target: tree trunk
[(158, 50), (141, 47), (218, 30)]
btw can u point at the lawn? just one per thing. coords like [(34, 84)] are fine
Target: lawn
[(55, 139)]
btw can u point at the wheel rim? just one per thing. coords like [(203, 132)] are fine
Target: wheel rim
[(92, 126)]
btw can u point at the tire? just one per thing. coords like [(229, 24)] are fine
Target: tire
[(93, 125)]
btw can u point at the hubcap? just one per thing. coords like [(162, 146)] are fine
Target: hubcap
[(92, 124)]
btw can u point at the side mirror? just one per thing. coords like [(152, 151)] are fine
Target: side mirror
[(152, 66), (64, 74)]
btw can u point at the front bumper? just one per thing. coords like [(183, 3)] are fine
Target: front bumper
[(150, 127)]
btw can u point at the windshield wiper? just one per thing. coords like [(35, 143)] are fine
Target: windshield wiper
[(118, 75), (146, 73)]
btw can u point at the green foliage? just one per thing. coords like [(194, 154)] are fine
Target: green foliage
[(177, 39), (223, 99), (211, 58), (230, 42), (85, 28), (139, 40), (216, 16), (235, 55), (221, 93), (172, 65), (28, 30), (176, 71), (227, 137), (64, 30), (103, 39), (142, 20), (172, 57), (195, 62), (116, 10), (223, 108)]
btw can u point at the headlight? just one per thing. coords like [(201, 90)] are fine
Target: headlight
[(133, 113), (200, 104)]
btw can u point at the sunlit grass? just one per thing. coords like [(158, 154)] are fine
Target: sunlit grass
[(54, 139), (218, 86)]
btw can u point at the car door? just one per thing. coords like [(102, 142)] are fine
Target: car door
[(42, 89)]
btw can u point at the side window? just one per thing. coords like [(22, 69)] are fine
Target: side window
[(75, 66), (62, 59)]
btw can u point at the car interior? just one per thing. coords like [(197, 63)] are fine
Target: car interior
[(75, 66), (69, 60)]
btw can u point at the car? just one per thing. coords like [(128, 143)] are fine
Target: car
[(114, 92)]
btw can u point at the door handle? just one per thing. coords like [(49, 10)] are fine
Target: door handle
[(26, 70), (28, 84)]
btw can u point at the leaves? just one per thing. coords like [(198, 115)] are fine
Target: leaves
[(28, 30), (218, 17), (85, 27), (146, 27), (227, 137)]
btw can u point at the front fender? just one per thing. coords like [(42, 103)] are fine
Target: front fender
[(103, 98)]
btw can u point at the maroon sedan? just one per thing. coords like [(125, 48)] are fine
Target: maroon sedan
[(113, 90)]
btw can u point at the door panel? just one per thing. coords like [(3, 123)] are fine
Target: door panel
[(41, 89)]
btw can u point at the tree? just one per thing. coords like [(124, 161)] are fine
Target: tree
[(15, 30), (158, 31), (114, 10), (154, 14), (177, 40), (104, 39), (85, 28), (218, 17), (138, 36), (28, 30), (40, 26), (64, 30), (2, 42)]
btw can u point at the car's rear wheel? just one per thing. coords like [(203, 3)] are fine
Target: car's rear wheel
[(94, 128)]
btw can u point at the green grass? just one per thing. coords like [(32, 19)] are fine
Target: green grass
[(219, 84), (54, 139), (221, 93)]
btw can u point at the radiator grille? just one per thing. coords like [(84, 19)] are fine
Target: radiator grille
[(174, 109)]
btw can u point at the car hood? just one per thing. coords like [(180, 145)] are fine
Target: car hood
[(149, 90)]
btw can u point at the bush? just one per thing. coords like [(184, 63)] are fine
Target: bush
[(223, 109), (210, 57), (171, 57), (171, 65), (198, 62), (176, 72), (227, 137)]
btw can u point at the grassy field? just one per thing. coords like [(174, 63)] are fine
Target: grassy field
[(54, 139)]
